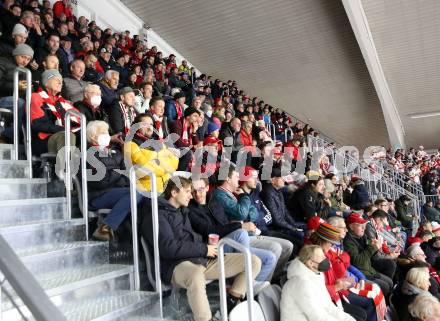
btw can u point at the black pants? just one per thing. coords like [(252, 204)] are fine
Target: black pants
[(383, 281), (384, 266), (356, 312)]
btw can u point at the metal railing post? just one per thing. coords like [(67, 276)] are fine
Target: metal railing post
[(248, 271), (155, 221), (68, 178), (133, 203), (28, 73)]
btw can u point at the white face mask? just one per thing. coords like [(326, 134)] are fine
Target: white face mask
[(95, 101), (209, 113), (103, 140)]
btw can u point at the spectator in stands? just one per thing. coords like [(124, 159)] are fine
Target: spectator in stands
[(66, 49), (304, 295), (105, 61), (112, 190), (240, 208), (21, 56), (283, 225), (48, 109), (109, 87), (186, 131), (362, 252), (415, 257), (186, 260), (19, 36), (359, 196), (250, 185), (208, 217), (90, 73), (430, 212), (174, 108), (62, 7), (376, 228), (121, 114), (52, 47), (425, 307), (327, 236), (35, 36), (9, 16), (184, 67), (157, 109), (404, 211), (416, 283), (73, 87), (230, 135), (153, 155), (308, 201), (90, 104), (143, 99)]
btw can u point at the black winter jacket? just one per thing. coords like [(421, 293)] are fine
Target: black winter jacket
[(274, 201), (305, 203), (210, 219), (105, 163), (177, 240)]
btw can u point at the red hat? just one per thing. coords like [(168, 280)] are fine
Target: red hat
[(211, 140), (277, 151), (247, 172), (413, 240), (355, 218), (314, 222)]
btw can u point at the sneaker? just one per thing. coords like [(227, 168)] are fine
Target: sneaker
[(103, 233), (260, 286)]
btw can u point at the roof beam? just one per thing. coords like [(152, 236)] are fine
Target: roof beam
[(361, 29)]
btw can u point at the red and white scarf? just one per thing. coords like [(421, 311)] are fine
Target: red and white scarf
[(128, 114), (158, 125), (373, 291)]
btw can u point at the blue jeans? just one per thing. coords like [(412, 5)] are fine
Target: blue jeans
[(8, 103), (365, 303), (118, 199), (268, 259)]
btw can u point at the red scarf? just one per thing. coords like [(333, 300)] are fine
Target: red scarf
[(128, 115), (179, 110)]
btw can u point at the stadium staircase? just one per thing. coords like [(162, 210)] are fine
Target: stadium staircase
[(75, 273)]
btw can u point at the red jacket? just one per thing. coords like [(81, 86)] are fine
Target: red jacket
[(59, 8), (246, 138), (47, 114)]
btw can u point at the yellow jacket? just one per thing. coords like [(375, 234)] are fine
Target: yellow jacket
[(162, 163)]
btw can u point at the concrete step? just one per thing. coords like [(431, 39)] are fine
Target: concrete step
[(52, 257), (14, 169), (40, 233), (22, 188), (16, 212)]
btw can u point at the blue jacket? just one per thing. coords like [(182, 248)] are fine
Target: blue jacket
[(274, 200), (170, 110), (236, 209), (265, 217), (359, 197)]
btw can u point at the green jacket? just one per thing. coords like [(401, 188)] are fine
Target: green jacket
[(404, 213), (361, 253)]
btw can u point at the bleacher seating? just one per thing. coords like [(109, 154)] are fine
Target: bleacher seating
[(154, 112)]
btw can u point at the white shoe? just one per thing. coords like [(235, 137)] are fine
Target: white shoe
[(260, 286)]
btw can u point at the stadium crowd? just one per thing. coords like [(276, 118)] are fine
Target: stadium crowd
[(336, 254)]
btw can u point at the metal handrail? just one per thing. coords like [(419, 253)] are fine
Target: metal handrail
[(68, 178), (133, 203), (28, 115), (272, 131), (248, 270), (26, 286), (155, 221)]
